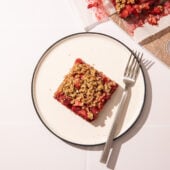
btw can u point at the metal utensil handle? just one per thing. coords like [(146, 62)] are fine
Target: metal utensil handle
[(113, 129)]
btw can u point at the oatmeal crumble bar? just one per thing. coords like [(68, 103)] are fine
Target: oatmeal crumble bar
[(85, 90)]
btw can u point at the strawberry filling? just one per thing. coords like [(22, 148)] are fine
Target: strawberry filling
[(85, 90)]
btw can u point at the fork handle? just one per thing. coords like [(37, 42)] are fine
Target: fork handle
[(113, 129)]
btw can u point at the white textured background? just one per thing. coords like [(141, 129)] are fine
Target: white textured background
[(27, 29)]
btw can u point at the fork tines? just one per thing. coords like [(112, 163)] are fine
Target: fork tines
[(133, 65)]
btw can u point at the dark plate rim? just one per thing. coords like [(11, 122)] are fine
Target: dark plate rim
[(42, 57)]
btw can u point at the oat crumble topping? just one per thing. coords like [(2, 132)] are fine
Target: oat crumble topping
[(85, 90)]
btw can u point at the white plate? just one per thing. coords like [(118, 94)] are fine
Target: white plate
[(107, 55)]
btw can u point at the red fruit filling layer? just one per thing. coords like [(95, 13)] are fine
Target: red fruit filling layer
[(85, 90)]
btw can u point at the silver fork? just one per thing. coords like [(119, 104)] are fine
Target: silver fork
[(129, 79)]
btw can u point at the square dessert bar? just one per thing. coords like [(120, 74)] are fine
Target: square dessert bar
[(85, 90)]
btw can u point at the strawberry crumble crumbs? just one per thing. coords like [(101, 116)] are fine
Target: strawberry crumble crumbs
[(135, 12), (85, 90)]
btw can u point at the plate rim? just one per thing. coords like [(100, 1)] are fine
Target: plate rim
[(41, 59)]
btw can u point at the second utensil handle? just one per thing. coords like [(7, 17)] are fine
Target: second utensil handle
[(113, 129)]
